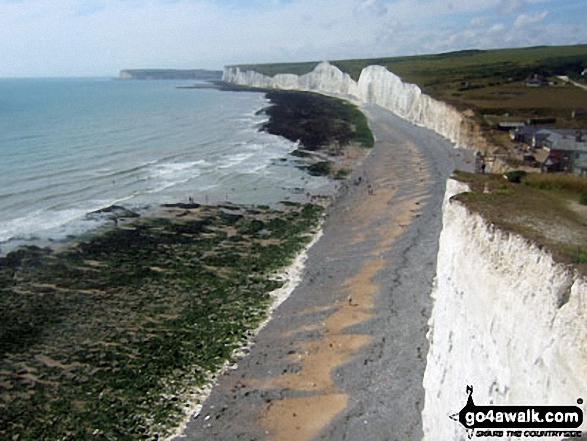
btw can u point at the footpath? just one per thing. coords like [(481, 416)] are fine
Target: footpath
[(344, 355)]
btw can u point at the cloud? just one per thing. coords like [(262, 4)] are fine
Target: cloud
[(497, 28), (375, 7), (99, 37), (524, 20), (478, 22), (511, 6)]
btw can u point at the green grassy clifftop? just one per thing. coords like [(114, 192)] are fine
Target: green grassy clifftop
[(490, 82)]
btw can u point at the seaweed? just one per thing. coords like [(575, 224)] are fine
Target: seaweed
[(108, 338), (316, 121)]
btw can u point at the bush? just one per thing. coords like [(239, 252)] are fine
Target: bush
[(583, 199), (515, 176)]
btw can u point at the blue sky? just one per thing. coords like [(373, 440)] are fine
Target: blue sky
[(100, 37)]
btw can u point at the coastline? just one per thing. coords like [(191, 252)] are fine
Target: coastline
[(160, 301), (65, 288), (292, 276), (355, 365), (359, 237)]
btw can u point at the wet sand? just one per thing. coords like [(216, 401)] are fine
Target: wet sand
[(344, 355)]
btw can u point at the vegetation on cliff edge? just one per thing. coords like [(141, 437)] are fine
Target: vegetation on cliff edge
[(544, 208)]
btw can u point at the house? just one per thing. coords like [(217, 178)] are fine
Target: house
[(567, 148), (536, 80), (508, 126), (567, 152), (534, 137)]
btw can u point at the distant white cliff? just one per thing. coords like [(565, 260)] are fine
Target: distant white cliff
[(378, 86), (507, 320)]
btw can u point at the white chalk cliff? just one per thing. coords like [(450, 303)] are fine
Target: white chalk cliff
[(376, 85), (506, 319)]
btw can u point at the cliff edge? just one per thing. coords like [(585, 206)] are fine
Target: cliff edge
[(506, 319)]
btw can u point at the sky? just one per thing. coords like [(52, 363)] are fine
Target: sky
[(62, 38)]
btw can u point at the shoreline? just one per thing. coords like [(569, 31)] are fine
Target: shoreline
[(117, 241), (108, 300), (343, 202), (318, 352), (91, 222), (291, 275)]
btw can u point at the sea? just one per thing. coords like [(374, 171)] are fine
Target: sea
[(69, 147)]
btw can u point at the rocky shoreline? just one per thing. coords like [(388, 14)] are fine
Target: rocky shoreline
[(88, 326), (330, 345), (113, 336), (331, 132)]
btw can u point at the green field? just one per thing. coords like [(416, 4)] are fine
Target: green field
[(490, 81)]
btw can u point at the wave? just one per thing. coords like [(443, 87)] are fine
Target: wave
[(35, 224), (146, 155)]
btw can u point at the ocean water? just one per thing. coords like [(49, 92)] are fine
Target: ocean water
[(72, 146)]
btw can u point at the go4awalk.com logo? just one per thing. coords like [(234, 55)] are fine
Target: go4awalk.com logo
[(518, 421)]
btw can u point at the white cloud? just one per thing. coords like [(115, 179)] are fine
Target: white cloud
[(97, 37), (510, 6), (497, 28), (375, 7), (524, 20)]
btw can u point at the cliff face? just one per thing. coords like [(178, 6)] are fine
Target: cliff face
[(376, 85), (506, 319)]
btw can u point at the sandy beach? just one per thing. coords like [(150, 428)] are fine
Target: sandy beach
[(344, 355)]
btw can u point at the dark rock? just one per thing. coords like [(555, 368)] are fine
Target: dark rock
[(111, 213)]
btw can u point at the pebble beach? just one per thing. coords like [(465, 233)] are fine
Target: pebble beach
[(344, 356), (128, 332)]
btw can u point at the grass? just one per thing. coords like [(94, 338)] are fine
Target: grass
[(544, 209), (106, 339), (560, 182), (579, 257)]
